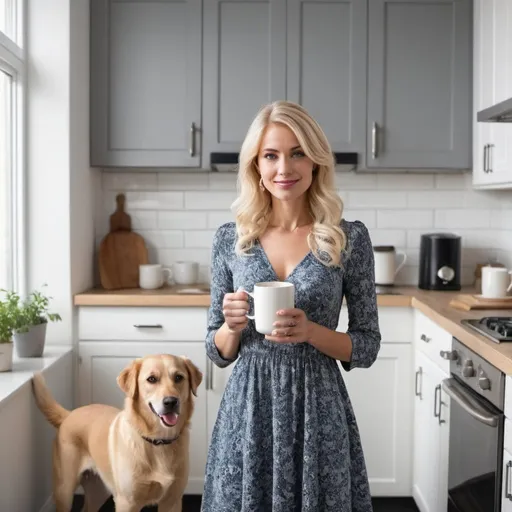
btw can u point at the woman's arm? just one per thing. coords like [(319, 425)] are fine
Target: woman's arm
[(222, 344)]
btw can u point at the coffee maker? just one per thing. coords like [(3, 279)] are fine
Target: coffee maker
[(440, 261)]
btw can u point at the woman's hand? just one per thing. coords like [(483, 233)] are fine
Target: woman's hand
[(234, 308), (293, 326)]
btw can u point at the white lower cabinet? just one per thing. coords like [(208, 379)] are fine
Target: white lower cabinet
[(506, 489), (382, 400), (431, 436), (102, 361)]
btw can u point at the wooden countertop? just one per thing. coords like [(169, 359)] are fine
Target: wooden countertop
[(433, 304)]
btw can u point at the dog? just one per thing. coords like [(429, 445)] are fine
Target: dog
[(140, 454)]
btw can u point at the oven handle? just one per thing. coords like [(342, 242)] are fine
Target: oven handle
[(457, 393)]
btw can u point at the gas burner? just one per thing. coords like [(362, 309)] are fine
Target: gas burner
[(496, 328)]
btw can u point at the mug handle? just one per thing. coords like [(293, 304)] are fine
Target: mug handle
[(251, 294), (402, 263)]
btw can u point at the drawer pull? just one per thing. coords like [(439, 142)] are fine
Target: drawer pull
[(507, 480), (419, 373), (425, 338), (147, 326)]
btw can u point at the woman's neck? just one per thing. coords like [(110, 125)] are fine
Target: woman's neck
[(289, 217)]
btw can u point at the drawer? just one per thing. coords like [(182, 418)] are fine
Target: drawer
[(431, 339), (142, 323), (395, 324)]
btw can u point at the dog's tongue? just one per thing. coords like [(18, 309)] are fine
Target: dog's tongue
[(170, 419)]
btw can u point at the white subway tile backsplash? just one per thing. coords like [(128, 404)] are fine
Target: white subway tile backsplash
[(211, 200), (179, 212), (462, 218), (181, 219), (199, 238), (182, 181), (401, 219)]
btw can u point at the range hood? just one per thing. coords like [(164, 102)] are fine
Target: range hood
[(228, 162), (499, 113)]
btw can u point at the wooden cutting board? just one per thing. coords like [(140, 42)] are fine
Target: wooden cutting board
[(121, 252), (469, 302)]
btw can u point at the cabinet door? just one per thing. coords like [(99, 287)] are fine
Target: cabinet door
[(419, 79), (145, 83), (431, 436), (327, 52), (101, 363), (383, 393), (244, 67)]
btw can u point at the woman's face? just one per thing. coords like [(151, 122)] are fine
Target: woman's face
[(286, 171)]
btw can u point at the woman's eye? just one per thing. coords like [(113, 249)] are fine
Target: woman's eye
[(270, 156), (298, 154), (151, 379), (178, 378)]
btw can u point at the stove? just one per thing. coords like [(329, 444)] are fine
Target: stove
[(496, 328)]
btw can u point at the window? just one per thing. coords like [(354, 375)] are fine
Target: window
[(12, 73)]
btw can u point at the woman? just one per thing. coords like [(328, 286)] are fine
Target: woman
[(286, 438)]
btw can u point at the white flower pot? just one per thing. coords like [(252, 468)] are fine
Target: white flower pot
[(31, 343), (5, 357)]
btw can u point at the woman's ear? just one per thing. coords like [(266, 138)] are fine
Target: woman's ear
[(127, 379)]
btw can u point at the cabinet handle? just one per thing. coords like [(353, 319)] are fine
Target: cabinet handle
[(486, 146), (490, 154), (437, 393), (419, 373), (209, 375), (192, 139), (425, 338), (374, 141), (147, 326), (508, 495)]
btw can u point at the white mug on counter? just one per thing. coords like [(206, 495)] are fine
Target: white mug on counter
[(185, 272), (153, 276), (269, 298), (496, 282), (386, 268)]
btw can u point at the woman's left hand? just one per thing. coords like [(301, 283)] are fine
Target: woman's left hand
[(293, 326)]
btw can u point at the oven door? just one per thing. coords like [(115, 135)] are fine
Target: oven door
[(475, 451)]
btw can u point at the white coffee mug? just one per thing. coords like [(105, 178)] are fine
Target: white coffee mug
[(153, 276), (269, 298), (496, 282), (185, 272)]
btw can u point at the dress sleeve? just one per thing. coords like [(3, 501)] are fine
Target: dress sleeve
[(221, 283), (359, 291)]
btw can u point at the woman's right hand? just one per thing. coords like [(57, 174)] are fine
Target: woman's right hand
[(235, 306)]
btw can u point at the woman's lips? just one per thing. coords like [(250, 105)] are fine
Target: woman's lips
[(285, 183)]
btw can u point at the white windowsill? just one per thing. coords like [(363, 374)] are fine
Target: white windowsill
[(24, 368)]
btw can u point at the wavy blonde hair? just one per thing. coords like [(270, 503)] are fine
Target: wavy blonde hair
[(253, 206)]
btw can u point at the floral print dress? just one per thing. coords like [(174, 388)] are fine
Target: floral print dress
[(286, 438)]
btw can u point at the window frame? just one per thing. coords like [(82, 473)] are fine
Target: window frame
[(13, 63)]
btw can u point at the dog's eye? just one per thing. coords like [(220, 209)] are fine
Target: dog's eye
[(151, 379), (178, 378)]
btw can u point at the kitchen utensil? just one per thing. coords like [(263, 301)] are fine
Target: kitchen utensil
[(121, 252), (386, 268), (153, 276)]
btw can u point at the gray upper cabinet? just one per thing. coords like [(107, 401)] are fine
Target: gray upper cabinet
[(419, 84), (146, 83), (326, 66), (244, 58)]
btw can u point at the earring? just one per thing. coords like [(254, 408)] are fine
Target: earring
[(262, 187)]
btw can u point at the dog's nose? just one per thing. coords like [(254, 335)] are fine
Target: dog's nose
[(170, 402)]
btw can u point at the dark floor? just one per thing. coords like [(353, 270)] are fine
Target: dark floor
[(193, 504)]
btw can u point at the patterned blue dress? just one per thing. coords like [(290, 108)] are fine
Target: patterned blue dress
[(285, 437)]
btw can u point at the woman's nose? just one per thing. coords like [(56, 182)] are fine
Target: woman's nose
[(284, 166)]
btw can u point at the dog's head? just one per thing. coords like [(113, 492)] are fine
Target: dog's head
[(159, 389)]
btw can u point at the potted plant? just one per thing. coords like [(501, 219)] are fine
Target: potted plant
[(31, 318), (7, 323)]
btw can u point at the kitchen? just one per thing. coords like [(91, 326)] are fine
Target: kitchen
[(164, 124)]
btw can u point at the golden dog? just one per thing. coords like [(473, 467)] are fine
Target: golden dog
[(139, 454)]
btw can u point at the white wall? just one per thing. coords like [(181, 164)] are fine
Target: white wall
[(26, 443), (177, 213), (60, 183)]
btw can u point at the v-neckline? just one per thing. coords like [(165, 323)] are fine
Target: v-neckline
[(271, 267)]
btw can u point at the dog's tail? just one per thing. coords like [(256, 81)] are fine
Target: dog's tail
[(53, 411)]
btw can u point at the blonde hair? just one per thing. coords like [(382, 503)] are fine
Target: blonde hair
[(253, 206)]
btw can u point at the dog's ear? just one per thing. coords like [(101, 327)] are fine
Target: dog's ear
[(194, 374), (127, 379)]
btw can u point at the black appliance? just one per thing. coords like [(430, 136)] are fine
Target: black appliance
[(440, 261), (475, 455)]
